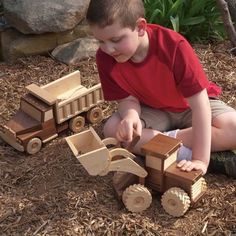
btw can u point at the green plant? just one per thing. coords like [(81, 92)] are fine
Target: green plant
[(197, 20)]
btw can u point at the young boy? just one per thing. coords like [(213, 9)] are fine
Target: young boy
[(159, 84)]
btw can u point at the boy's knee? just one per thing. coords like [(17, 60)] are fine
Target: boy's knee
[(109, 129)]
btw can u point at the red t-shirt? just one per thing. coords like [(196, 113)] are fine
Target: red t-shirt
[(170, 72)]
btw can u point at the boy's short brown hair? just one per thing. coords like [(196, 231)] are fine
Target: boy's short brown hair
[(107, 12)]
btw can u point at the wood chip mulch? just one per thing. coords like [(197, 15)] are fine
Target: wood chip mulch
[(50, 193)]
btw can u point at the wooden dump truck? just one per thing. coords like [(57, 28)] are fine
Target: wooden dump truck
[(132, 181), (47, 110)]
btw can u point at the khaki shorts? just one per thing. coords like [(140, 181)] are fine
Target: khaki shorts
[(165, 121)]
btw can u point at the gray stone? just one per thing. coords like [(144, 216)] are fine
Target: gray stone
[(37, 17), (72, 53), (15, 44)]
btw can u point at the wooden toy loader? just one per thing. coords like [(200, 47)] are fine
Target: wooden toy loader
[(48, 110), (132, 181), (95, 156)]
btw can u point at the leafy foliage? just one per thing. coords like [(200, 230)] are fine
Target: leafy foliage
[(197, 20)]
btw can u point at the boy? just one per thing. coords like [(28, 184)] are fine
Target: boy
[(159, 84)]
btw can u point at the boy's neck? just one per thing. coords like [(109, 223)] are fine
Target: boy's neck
[(142, 50)]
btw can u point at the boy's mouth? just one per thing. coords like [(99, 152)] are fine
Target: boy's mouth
[(116, 54)]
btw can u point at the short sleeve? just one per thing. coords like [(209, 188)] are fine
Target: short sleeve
[(106, 69), (188, 71)]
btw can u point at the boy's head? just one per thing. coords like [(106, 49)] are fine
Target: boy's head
[(107, 12)]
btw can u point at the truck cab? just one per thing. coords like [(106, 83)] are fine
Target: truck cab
[(32, 125)]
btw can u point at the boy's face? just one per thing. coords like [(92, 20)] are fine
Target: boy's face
[(119, 42)]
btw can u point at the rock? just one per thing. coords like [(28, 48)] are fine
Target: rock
[(232, 9), (71, 53), (15, 44), (37, 17)]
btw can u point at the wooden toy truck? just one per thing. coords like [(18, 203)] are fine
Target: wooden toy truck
[(181, 189), (47, 110)]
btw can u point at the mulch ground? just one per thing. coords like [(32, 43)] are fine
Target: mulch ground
[(50, 193)]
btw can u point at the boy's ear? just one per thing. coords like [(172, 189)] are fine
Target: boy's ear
[(141, 26)]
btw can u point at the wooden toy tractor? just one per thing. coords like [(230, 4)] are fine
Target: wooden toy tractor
[(132, 181)]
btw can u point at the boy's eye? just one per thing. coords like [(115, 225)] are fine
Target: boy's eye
[(113, 40), (116, 40)]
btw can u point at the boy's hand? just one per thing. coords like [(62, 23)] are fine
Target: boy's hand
[(126, 127), (129, 109), (193, 165)]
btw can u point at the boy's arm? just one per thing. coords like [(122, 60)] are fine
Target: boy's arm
[(201, 133), (129, 110)]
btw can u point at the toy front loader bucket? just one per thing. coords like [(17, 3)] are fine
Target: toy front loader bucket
[(90, 151)]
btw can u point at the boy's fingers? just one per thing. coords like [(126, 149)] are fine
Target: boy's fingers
[(186, 165), (181, 163), (124, 134), (139, 128), (189, 166)]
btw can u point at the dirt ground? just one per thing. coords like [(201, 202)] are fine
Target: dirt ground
[(50, 193)]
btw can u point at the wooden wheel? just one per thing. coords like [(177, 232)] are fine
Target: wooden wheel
[(175, 201), (33, 146), (121, 180), (77, 124), (204, 184), (137, 198), (95, 115)]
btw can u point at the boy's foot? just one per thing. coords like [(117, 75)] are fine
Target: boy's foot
[(223, 162)]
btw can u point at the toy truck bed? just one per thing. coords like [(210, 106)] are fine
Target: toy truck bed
[(68, 95)]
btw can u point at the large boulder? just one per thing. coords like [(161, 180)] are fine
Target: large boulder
[(37, 17), (15, 44), (73, 52)]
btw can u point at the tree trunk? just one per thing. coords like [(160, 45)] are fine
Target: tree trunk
[(232, 10), (223, 6)]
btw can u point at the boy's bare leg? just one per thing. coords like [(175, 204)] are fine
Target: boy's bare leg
[(223, 133), (223, 139)]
